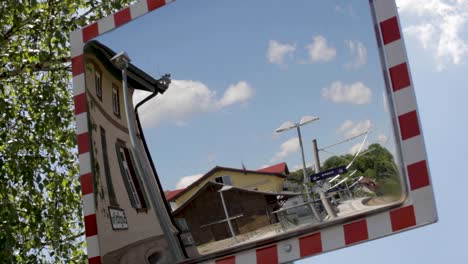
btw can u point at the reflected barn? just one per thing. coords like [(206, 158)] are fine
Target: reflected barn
[(249, 213), (228, 206), (129, 232), (267, 179)]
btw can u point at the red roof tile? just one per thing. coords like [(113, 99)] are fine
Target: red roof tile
[(171, 194), (277, 168), (218, 168)]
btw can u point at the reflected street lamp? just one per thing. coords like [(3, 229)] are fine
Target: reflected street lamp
[(225, 188), (289, 125), (121, 62)]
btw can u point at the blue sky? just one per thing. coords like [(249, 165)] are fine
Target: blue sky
[(202, 53)]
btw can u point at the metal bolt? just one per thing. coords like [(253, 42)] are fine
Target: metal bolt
[(287, 247)]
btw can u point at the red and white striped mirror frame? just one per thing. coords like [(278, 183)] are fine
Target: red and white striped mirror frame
[(417, 210)]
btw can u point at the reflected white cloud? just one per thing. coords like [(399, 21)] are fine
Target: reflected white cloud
[(237, 93), (382, 139), (186, 98), (287, 148), (351, 129), (355, 148), (358, 53), (320, 51), (187, 180), (277, 52)]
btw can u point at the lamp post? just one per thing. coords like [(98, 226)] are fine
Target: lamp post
[(287, 126), (121, 61)]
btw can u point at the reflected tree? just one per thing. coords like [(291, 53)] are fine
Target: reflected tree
[(376, 163)]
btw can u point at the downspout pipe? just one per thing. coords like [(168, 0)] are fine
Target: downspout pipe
[(156, 196), (148, 154)]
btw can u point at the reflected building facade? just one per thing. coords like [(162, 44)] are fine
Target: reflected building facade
[(129, 232)]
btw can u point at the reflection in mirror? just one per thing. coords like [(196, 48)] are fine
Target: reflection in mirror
[(273, 120)]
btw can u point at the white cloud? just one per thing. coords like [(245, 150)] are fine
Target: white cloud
[(277, 52), (186, 98), (358, 52), (288, 147), (424, 33), (187, 180), (356, 93), (352, 129), (319, 51), (237, 93), (438, 25)]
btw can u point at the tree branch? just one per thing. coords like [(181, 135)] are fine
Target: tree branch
[(67, 239), (36, 67), (83, 17), (16, 27)]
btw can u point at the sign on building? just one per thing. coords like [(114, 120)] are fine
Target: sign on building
[(328, 173), (118, 219)]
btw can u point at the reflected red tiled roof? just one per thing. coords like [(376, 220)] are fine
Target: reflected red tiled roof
[(218, 168), (277, 168), (171, 194)]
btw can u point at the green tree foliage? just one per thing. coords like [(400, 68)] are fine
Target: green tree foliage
[(336, 161), (375, 162), (298, 175), (40, 206)]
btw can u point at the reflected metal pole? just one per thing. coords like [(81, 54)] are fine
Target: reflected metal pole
[(304, 172), (287, 126), (225, 188), (331, 213), (121, 62)]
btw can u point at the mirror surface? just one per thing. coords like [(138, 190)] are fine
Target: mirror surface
[(258, 94)]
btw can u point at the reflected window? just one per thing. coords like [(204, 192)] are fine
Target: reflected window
[(130, 177), (224, 180), (98, 84), (115, 100), (105, 158), (182, 224)]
